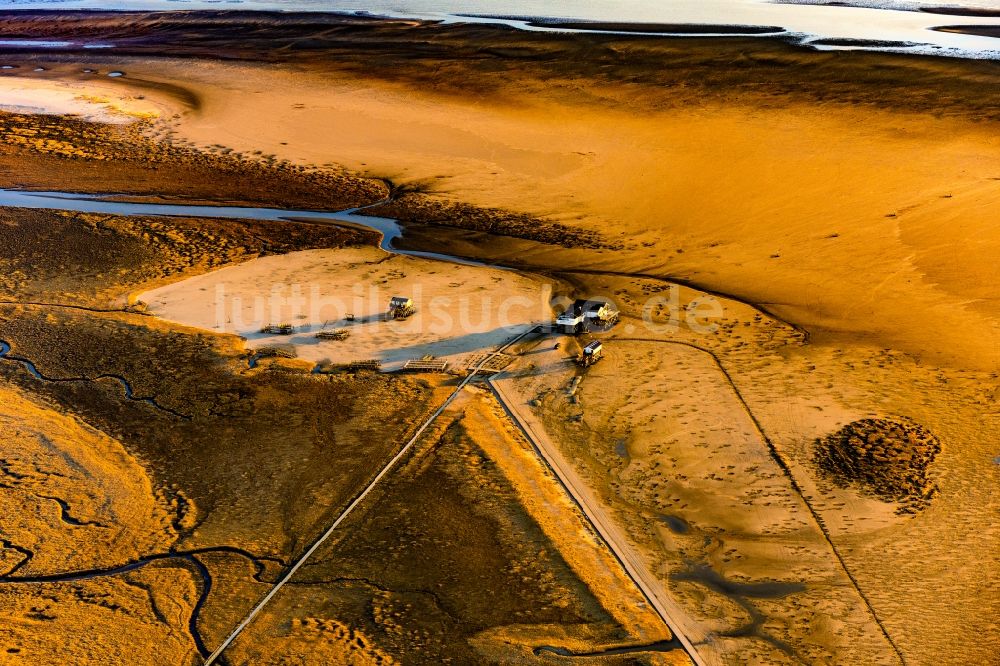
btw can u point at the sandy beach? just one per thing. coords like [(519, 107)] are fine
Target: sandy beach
[(349, 291)]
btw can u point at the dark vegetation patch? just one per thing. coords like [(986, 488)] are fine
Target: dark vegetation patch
[(962, 11), (867, 43), (269, 457), (416, 208), (97, 260), (65, 153), (978, 30), (890, 459), (258, 441)]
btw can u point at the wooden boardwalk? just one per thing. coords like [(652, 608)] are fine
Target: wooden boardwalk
[(425, 365), (333, 334), (368, 364)]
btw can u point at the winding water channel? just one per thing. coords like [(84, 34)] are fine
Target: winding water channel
[(5, 355), (658, 646), (101, 204), (189, 557)]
